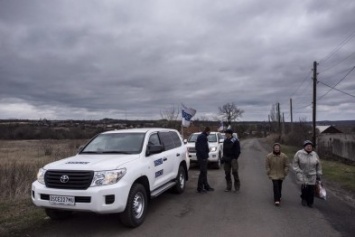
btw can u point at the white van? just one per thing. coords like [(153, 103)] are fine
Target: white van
[(116, 172), (215, 143)]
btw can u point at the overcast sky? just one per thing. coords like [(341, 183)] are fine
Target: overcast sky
[(117, 59)]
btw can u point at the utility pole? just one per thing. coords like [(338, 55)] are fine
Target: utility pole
[(291, 114), (314, 101), (279, 119), (283, 122), (291, 110)]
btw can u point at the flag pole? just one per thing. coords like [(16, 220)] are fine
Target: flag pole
[(182, 131)]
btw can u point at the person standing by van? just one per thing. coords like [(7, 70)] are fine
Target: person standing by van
[(307, 166), (276, 169), (202, 151), (231, 152)]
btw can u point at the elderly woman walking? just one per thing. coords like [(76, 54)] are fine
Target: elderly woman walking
[(277, 168), (308, 170)]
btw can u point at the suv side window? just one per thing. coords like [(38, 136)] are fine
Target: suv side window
[(154, 140), (167, 140), (176, 139)]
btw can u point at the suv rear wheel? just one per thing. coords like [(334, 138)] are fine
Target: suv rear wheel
[(180, 180)]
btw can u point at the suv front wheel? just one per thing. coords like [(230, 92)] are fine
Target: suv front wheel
[(136, 208)]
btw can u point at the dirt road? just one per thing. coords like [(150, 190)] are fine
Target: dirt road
[(249, 212)]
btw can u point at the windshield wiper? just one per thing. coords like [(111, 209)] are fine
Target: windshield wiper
[(117, 152)]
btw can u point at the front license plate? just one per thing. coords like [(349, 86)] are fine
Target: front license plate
[(62, 200)]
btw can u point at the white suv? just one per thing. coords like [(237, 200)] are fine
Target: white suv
[(116, 172), (215, 143)]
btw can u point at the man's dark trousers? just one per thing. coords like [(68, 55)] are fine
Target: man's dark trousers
[(229, 167), (202, 178)]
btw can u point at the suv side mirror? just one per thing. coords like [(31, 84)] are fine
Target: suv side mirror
[(154, 149), (221, 140), (185, 140)]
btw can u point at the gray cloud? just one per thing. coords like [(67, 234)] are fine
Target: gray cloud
[(121, 59)]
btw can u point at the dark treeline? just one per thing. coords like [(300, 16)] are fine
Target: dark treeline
[(69, 129), (26, 132)]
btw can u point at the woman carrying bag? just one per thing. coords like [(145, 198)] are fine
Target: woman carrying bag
[(308, 170)]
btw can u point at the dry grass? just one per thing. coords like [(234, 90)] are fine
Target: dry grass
[(20, 161)]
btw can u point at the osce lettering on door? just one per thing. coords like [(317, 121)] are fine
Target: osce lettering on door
[(158, 173), (158, 162)]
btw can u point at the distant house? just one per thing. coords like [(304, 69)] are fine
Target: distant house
[(327, 129), (332, 142), (325, 137)]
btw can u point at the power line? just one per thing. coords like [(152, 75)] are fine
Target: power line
[(305, 106), (336, 89), (301, 83), (331, 88), (336, 49), (328, 68)]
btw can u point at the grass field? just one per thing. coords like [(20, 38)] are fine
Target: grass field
[(19, 163)]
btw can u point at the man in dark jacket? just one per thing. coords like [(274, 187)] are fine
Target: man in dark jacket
[(202, 151), (231, 152)]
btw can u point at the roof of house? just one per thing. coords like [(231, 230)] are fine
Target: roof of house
[(328, 129)]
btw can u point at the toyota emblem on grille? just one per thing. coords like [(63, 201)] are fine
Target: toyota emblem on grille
[(64, 178)]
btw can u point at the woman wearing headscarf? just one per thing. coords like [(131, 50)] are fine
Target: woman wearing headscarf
[(308, 170), (277, 168)]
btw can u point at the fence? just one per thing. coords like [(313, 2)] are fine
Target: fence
[(339, 145)]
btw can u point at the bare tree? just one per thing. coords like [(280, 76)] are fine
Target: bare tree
[(230, 112), (170, 114), (300, 132), (170, 117), (274, 118)]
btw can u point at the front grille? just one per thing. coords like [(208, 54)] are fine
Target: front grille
[(77, 199), (63, 179), (191, 149)]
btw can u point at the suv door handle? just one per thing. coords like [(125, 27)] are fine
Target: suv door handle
[(178, 154), (165, 159)]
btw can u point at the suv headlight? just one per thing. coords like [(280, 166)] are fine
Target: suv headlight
[(40, 175), (214, 148), (107, 177)]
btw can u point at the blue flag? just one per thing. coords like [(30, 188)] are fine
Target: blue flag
[(187, 114)]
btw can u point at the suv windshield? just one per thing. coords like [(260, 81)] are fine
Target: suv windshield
[(211, 138), (119, 143)]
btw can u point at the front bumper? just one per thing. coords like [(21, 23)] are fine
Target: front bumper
[(212, 157), (93, 199)]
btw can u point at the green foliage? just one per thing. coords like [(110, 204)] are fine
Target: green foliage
[(13, 222), (340, 173)]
